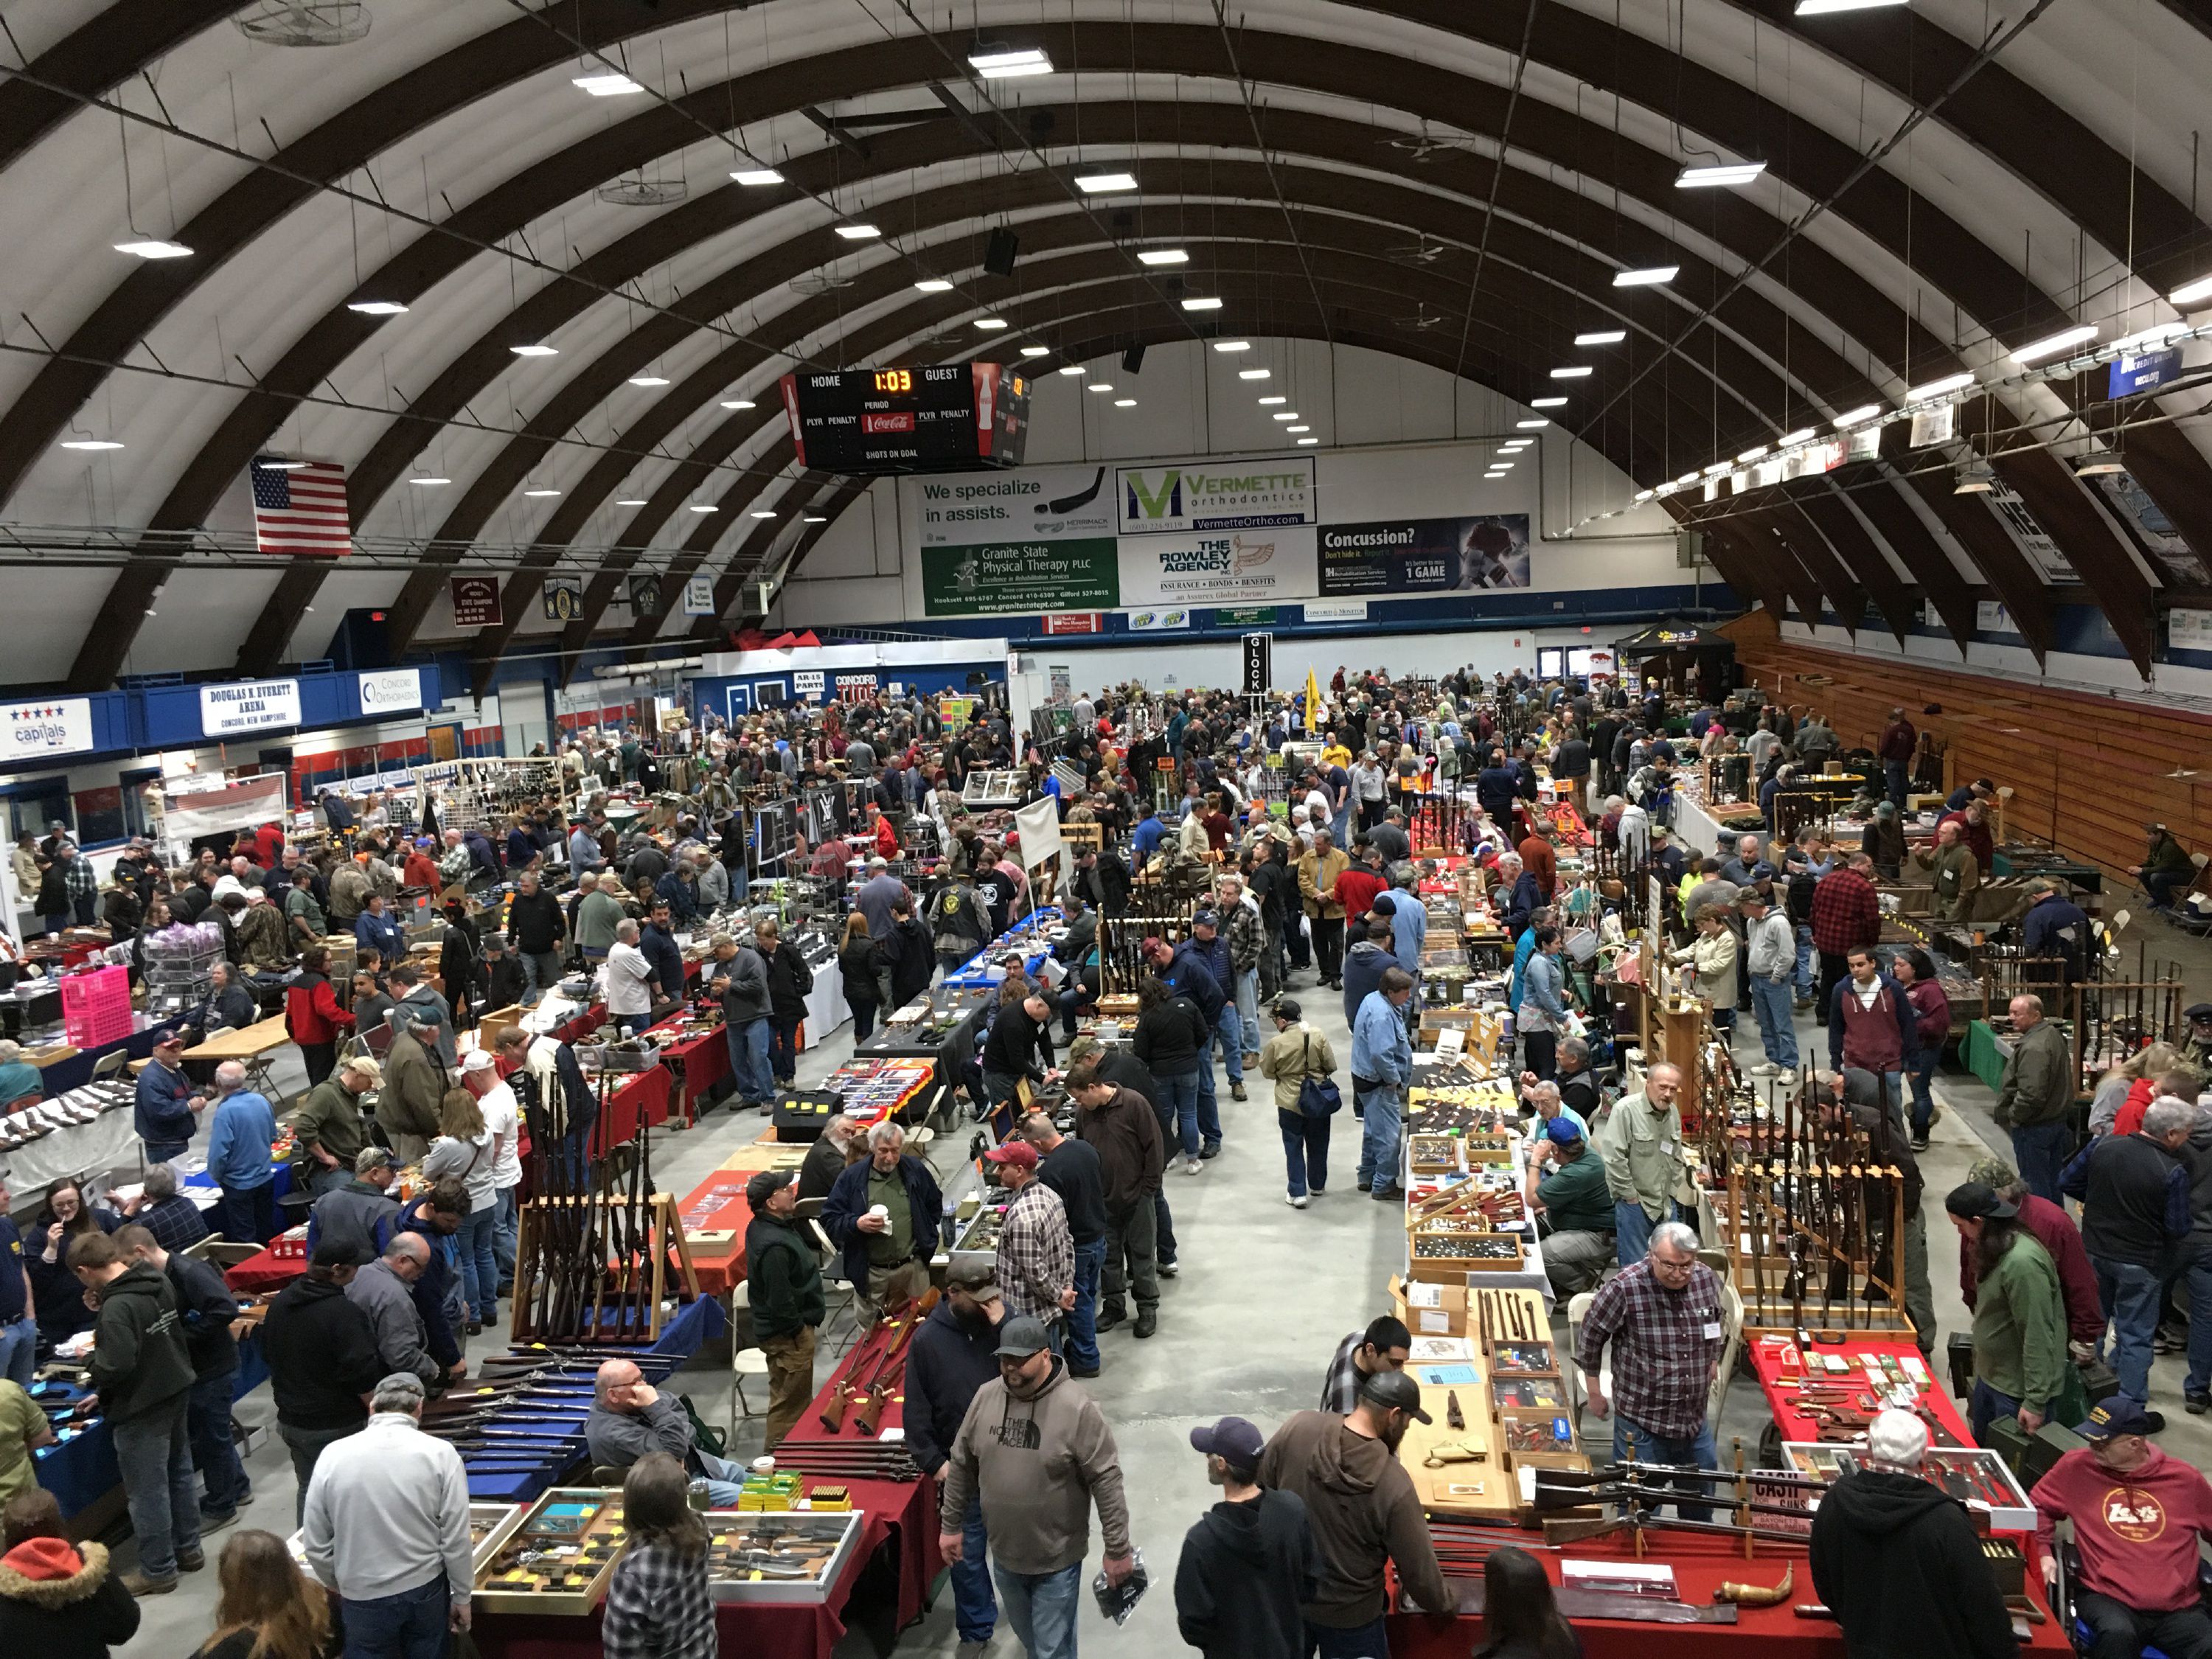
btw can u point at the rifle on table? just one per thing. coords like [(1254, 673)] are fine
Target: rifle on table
[(1567, 1530), (833, 1413), (872, 1408)]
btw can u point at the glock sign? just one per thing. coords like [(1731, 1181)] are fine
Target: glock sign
[(1258, 661)]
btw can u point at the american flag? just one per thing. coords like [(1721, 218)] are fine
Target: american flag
[(300, 507)]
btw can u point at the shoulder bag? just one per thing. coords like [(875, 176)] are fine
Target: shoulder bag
[(1318, 1097)]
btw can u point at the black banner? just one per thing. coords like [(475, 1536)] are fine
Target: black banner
[(1425, 555)]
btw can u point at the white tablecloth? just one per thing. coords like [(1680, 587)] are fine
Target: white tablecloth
[(107, 1142), (825, 1003), (1694, 828)]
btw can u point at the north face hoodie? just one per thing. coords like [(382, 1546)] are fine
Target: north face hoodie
[(1039, 1460)]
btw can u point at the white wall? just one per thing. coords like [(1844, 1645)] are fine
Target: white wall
[(1219, 664)]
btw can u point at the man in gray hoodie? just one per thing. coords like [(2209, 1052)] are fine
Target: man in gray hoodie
[(1036, 1450)]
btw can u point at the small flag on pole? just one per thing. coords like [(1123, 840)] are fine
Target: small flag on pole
[(1313, 701), (300, 507)]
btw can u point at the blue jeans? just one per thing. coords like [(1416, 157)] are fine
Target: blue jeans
[(1042, 1608), (506, 1226), (1984, 1406), (1631, 1233), (1380, 1117), (1920, 1069), (1305, 1151), (2040, 1153), (1229, 1033), (479, 1264), (246, 1214), (975, 1609), (1804, 960), (1633, 1443), (2197, 1275), (1178, 1112), (1247, 1007), (749, 1046), (409, 1626), (18, 1349), (155, 1455), (1368, 1641), (783, 1047), (2132, 1296), (1777, 1031), (207, 1422), (1082, 1320), (1894, 779)]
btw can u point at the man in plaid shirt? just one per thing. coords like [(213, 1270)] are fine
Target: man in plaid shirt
[(1036, 1250), (1846, 916), (1662, 1318)]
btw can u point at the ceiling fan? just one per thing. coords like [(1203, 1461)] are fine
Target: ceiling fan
[(1422, 320), (1421, 252), (1423, 146)]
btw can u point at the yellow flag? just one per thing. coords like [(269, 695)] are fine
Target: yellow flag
[(1313, 701)]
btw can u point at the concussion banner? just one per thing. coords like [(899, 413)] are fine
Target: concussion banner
[(1425, 555)]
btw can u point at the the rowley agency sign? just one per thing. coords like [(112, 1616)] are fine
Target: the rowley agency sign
[(1244, 567), (1195, 496)]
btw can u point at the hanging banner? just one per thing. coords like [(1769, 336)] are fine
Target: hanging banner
[(699, 596), (1241, 568), (1075, 621), (1865, 443), (475, 602), (1157, 622), (1016, 576), (1259, 664), (1202, 495), (1335, 611), (1936, 424), (1425, 556), (224, 808), (1246, 615), (254, 706), (33, 731), (1030, 504), (2140, 372), (390, 691), (2165, 547), (564, 598), (644, 596), (2189, 631)]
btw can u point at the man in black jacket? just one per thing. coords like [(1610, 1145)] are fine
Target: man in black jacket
[(1895, 1559), (205, 1309), (785, 1275), (954, 1353), (535, 925), (1250, 1563), (1018, 1048), (1071, 1168), (322, 1359), (141, 1381)]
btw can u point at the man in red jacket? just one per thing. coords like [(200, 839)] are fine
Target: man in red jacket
[(1899, 744), (1845, 914), (2138, 1516), (2052, 1228)]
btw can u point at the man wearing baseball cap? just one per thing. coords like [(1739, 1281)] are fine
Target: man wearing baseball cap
[(1249, 1563), (1035, 1451), (955, 1352), (1362, 1507), (2197, 1047), (2019, 1318), (1036, 1250), (2139, 1517), (1573, 1205), (167, 1105), (785, 1275)]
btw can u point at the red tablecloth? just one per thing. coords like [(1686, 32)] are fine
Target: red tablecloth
[(1700, 1565), (1778, 1382), (704, 1062), (718, 1204), (641, 1100), (263, 1272)]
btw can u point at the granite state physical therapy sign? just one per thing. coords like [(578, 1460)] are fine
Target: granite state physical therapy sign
[(1038, 539), (1019, 576)]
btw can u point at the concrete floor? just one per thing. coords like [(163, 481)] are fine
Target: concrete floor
[(1265, 1293)]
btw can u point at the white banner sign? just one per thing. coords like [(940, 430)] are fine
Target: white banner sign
[(699, 596), (59, 726), (253, 706), (1336, 610), (807, 682), (2189, 631), (239, 805), (391, 691), (1028, 504), (1204, 495), (1242, 566)]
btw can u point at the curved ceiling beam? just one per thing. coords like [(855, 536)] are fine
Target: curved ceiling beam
[(129, 37)]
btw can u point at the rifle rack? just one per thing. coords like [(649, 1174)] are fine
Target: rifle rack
[(617, 1287)]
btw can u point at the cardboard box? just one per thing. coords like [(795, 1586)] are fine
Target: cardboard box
[(1435, 1309)]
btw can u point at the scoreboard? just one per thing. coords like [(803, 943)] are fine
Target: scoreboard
[(945, 418)]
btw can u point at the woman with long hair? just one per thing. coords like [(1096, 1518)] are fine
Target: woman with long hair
[(856, 961), (57, 1601), (657, 1604), (1520, 1614), (269, 1608), (465, 1152), (56, 1291)]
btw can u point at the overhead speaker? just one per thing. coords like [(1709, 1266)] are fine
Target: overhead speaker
[(999, 252), (1133, 359)]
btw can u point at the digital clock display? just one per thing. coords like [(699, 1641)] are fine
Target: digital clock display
[(894, 379), (939, 417)]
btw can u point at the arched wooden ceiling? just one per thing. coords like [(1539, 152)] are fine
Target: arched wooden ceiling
[(1266, 149)]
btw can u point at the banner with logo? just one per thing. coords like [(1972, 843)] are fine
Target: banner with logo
[(1159, 621), (1335, 611), (34, 730), (1243, 567), (1074, 622), (564, 598), (1425, 555), (1019, 576), (254, 706), (1030, 504), (390, 691), (1188, 496)]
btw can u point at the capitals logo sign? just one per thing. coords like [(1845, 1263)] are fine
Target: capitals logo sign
[(61, 725)]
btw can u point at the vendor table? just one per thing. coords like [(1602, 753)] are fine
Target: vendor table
[(1775, 1381), (1701, 1566), (249, 1045), (715, 1213), (265, 1271), (76, 1072), (1985, 1052), (702, 1061), (1695, 829), (901, 1523), (108, 1142)]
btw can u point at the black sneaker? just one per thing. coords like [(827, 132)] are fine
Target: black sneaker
[(1079, 1370), (1212, 1148), (1148, 1322), (2152, 1423), (1110, 1317), (2196, 1404), (1388, 1195), (1920, 1143)]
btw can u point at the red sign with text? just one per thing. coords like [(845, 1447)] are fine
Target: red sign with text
[(475, 602), (1075, 621)]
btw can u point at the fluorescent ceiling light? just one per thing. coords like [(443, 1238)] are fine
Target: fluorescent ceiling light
[(629, 503), (2099, 465), (1255, 373), (1036, 351), (1797, 437), (2051, 345), (1124, 403), (1937, 388), (1286, 414), (1853, 416), (1515, 446), (1713, 178), (1820, 8), (764, 513), (540, 493), (1577, 372), (1099, 385), (1645, 495), (427, 482), (273, 465), (859, 232), (91, 444), (933, 285), (1603, 337), (648, 379), (1532, 426), (1207, 302), (1309, 441), (816, 518), (539, 350), (152, 247), (1102, 184), (377, 308), (704, 507), (1650, 277), (758, 176), (2192, 294), (2152, 338), (1716, 469), (1686, 478), (988, 323), (1233, 345), (1501, 466), (1163, 256), (1004, 63), (1266, 401), (1753, 454), (608, 84), (1298, 428), (1547, 403), (1072, 368), (738, 403)]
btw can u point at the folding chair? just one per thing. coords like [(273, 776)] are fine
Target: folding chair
[(744, 1361)]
